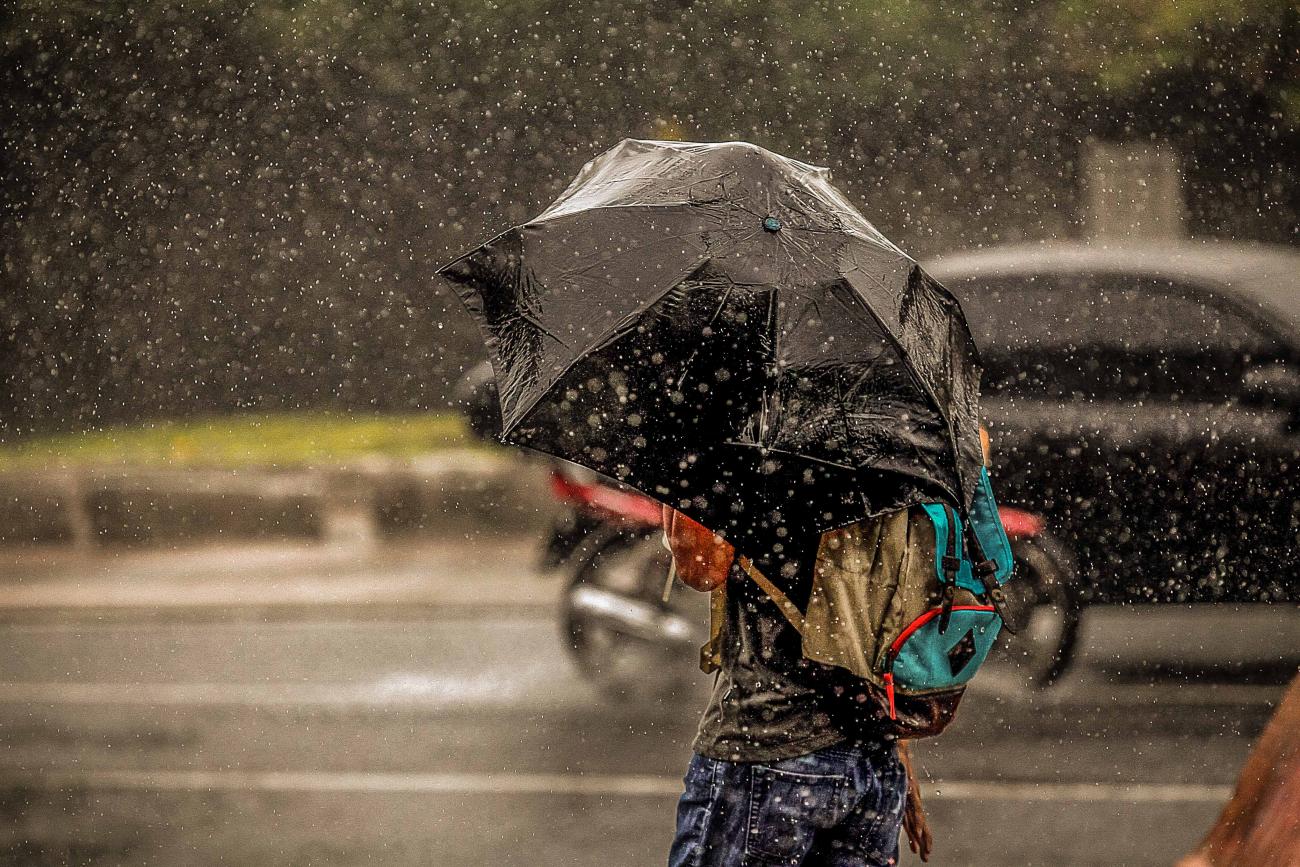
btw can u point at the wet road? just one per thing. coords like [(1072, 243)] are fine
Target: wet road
[(465, 737)]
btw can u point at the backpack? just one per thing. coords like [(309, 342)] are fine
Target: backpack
[(910, 602)]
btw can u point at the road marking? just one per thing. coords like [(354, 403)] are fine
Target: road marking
[(625, 785), (424, 691), (539, 680), (1093, 689), (1143, 793)]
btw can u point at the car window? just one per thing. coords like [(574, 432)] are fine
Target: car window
[(1109, 336)]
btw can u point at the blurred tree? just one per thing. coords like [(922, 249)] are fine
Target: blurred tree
[(214, 205), (1220, 79), (202, 222)]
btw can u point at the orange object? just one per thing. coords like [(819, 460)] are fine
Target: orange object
[(1260, 826), (703, 558)]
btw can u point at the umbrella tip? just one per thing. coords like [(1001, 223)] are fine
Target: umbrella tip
[(772, 224)]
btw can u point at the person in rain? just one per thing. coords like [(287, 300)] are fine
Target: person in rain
[(793, 763), (681, 312), (789, 766)]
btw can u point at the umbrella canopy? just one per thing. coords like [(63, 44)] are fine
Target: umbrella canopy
[(715, 325)]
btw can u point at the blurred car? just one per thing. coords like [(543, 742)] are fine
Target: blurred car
[(1146, 401)]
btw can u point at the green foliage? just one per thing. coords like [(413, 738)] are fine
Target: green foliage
[(1225, 45), (276, 440)]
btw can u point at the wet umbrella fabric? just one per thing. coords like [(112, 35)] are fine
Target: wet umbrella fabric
[(715, 325)]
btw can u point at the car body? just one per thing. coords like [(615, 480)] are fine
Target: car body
[(1146, 400)]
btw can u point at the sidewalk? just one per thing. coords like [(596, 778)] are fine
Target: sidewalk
[(443, 493), (277, 580)]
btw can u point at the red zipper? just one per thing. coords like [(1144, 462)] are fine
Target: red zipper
[(906, 634)]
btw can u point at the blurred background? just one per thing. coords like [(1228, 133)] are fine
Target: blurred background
[(267, 597)]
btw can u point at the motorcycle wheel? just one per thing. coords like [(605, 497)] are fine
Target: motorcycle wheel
[(626, 667), (1047, 584)]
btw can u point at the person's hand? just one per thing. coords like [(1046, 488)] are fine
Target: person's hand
[(919, 838)]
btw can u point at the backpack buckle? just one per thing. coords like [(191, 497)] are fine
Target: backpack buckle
[(950, 566), (997, 597), (945, 613)]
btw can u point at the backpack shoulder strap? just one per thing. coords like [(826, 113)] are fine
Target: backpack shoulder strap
[(985, 570), (788, 608)]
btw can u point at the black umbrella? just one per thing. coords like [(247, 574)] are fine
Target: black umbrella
[(715, 325)]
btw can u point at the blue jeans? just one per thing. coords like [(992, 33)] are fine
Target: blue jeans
[(841, 806)]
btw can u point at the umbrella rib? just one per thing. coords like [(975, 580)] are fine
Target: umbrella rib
[(739, 241), (536, 323), (546, 218), (840, 402), (790, 240), (798, 455), (893, 338), (612, 333), (774, 328), (726, 296), (624, 252), (929, 392), (738, 205), (712, 178), (621, 179)]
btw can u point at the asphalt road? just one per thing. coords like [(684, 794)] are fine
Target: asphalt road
[(463, 735)]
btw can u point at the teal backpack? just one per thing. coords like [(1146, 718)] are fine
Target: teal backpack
[(943, 647), (911, 603)]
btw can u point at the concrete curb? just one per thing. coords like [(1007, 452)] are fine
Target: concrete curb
[(452, 492)]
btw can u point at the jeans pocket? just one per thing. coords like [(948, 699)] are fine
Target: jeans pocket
[(786, 808), (699, 775)]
